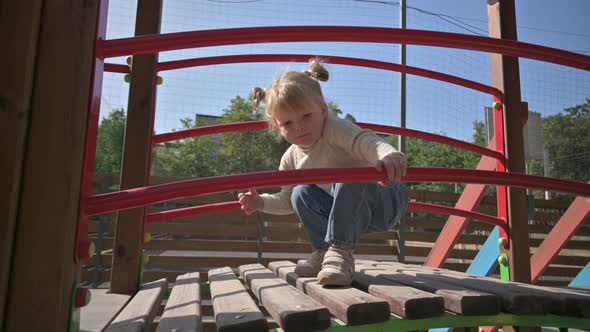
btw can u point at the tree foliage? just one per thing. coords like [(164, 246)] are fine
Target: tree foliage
[(191, 157), (567, 140), (249, 151), (109, 145), (332, 106), (421, 153)]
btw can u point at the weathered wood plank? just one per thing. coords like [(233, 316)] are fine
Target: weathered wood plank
[(141, 310), (557, 301), (285, 270), (514, 299), (101, 310), (19, 29), (348, 304), (404, 301), (47, 60), (456, 299), (234, 308), (292, 310), (183, 308)]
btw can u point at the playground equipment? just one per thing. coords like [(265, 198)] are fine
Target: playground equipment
[(567, 309)]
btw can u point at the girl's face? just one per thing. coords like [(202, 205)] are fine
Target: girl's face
[(302, 128)]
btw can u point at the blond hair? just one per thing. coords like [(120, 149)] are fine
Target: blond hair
[(293, 91)]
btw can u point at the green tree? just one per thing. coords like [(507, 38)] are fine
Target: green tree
[(191, 157), (249, 151), (332, 106), (421, 153), (109, 144), (567, 140)]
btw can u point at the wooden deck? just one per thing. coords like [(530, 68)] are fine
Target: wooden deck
[(384, 295), (102, 310)]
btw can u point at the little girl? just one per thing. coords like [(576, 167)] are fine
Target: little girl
[(334, 215)]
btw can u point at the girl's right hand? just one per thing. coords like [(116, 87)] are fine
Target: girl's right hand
[(250, 201)]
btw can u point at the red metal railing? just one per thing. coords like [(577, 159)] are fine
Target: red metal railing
[(131, 198), (257, 125), (164, 42), (230, 206), (219, 37)]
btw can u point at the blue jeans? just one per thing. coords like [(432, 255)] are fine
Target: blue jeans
[(350, 211)]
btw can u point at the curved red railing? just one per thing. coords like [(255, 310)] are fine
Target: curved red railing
[(193, 39), (131, 198), (231, 206), (340, 60), (165, 42), (258, 125)]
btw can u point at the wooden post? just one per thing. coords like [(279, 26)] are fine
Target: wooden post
[(505, 76), (15, 104), (46, 66), (137, 153)]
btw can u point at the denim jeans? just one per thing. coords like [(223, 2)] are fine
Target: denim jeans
[(352, 209)]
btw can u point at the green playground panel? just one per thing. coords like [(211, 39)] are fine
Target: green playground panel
[(449, 320)]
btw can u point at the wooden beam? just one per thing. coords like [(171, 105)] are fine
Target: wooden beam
[(505, 77), (455, 225), (141, 310), (562, 232), (136, 153), (41, 281), (19, 31), (183, 308)]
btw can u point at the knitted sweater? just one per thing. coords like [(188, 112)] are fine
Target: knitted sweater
[(342, 144)]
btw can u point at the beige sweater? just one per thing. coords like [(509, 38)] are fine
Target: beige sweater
[(342, 144)]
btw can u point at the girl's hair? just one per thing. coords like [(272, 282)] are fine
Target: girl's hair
[(293, 91)]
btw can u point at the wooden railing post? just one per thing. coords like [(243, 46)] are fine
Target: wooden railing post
[(137, 153)]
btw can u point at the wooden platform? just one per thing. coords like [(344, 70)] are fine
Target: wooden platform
[(103, 308), (384, 295)]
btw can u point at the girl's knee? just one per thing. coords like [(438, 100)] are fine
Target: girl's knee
[(300, 193)]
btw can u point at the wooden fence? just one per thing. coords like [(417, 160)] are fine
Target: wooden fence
[(231, 238)]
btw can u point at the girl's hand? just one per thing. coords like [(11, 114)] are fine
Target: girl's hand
[(250, 201), (394, 164)]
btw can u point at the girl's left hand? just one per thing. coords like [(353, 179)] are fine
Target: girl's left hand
[(394, 164)]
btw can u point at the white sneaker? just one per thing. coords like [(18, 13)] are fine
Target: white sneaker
[(310, 267), (337, 268)]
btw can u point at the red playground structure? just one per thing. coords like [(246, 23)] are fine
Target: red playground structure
[(48, 190)]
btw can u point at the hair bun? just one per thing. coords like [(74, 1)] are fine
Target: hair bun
[(258, 95), (317, 71)]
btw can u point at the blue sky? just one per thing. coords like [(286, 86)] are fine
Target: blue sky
[(370, 95)]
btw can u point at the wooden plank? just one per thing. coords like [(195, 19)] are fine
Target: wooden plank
[(101, 310), (569, 302), (183, 308), (350, 305), (456, 298), (136, 152), (291, 309), (19, 31), (234, 308), (514, 299), (285, 270), (141, 310), (200, 230), (404, 301), (47, 58)]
